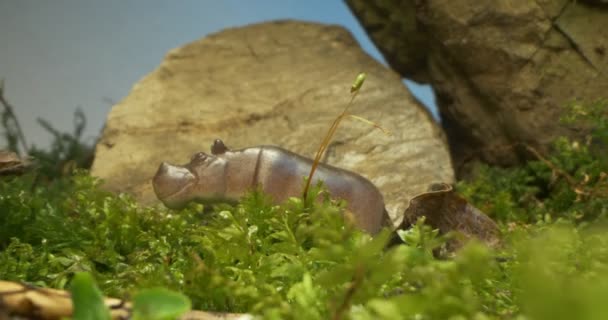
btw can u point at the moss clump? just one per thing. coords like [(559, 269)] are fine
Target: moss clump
[(301, 260), (70, 225), (288, 261), (291, 262), (571, 183)]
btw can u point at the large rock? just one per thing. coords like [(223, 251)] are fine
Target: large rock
[(502, 70), (393, 27), (279, 83)]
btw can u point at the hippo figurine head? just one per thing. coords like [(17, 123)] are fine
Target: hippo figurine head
[(202, 179)]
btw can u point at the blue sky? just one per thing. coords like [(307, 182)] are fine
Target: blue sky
[(62, 54)]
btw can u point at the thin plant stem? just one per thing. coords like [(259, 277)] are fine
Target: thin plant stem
[(9, 110), (325, 143)]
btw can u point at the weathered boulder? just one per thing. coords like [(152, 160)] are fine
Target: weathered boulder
[(393, 27), (277, 83), (502, 70)]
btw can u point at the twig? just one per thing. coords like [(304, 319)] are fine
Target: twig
[(350, 292), (11, 113), (549, 164), (572, 182), (528, 147)]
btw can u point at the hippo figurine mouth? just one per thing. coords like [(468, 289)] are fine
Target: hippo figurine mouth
[(170, 182)]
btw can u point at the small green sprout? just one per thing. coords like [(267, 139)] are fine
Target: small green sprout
[(358, 82), (159, 304), (87, 299)]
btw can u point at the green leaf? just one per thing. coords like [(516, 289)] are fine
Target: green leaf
[(159, 304), (87, 299)]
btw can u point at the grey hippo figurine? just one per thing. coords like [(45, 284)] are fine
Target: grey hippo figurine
[(226, 175)]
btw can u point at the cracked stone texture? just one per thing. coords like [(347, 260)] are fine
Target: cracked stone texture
[(501, 70), (277, 83)]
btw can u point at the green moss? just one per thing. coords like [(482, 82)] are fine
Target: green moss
[(301, 260), (290, 261), (570, 183)]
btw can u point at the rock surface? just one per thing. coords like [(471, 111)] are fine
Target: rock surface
[(277, 83), (12, 164), (20, 301), (501, 70)]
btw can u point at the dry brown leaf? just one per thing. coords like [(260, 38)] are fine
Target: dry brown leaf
[(12, 164), (445, 210)]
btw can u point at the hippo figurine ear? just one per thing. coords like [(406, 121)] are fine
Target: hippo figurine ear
[(218, 147)]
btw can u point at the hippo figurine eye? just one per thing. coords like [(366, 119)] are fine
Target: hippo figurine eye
[(198, 157)]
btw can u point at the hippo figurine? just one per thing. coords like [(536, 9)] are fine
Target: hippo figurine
[(226, 175)]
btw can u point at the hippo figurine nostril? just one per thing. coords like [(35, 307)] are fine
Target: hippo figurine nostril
[(163, 168)]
